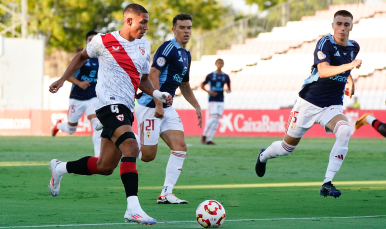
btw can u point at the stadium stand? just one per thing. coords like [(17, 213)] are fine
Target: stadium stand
[(268, 71)]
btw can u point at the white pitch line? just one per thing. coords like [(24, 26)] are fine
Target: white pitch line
[(176, 222)]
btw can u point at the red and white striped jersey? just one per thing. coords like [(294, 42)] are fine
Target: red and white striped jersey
[(121, 66)]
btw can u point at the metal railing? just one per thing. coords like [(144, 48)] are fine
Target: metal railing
[(276, 16)]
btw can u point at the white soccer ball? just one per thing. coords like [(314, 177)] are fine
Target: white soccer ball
[(210, 214)]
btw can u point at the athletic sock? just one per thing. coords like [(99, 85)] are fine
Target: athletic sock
[(173, 171), (338, 153), (208, 126), (96, 137), (67, 128), (379, 126), (276, 149), (83, 166), (129, 176), (213, 128), (61, 168), (370, 119)]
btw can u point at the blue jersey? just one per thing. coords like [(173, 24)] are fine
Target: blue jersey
[(174, 65), (324, 92), (216, 83), (88, 72)]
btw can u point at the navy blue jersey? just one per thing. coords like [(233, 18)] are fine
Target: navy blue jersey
[(174, 64), (216, 83), (88, 72), (324, 92)]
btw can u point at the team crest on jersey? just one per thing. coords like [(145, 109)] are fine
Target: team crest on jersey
[(120, 117), (161, 61), (142, 50), (321, 55)]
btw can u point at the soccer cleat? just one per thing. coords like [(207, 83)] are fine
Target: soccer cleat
[(329, 189), (139, 216), (362, 120), (170, 199), (210, 143), (99, 126), (203, 139), (260, 166), (55, 178), (54, 129)]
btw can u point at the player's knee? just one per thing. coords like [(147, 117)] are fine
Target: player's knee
[(147, 158), (343, 130)]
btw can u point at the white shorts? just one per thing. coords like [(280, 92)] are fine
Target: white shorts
[(216, 108), (150, 127), (77, 107), (304, 115)]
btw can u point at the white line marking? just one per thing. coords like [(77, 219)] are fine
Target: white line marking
[(176, 222)]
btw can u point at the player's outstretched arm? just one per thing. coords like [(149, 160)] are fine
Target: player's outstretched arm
[(76, 63), (147, 87), (188, 94), (326, 70)]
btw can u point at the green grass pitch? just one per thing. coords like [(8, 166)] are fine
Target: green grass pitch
[(99, 201)]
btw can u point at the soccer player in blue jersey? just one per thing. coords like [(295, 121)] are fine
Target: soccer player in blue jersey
[(83, 98), (170, 70), (321, 99), (216, 81)]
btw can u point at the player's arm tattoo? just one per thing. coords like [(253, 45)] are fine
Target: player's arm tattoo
[(145, 85)]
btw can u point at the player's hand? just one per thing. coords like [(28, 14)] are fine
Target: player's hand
[(228, 91), (84, 84), (350, 89), (356, 64), (212, 93), (168, 99), (159, 111), (54, 87), (199, 116)]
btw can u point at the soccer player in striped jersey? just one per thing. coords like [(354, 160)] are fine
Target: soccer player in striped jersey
[(368, 118), (83, 98), (124, 58), (321, 99), (169, 71)]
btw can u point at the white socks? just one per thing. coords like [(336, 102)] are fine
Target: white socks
[(96, 137), (370, 119), (211, 127), (61, 168), (132, 203), (173, 171), (276, 149), (338, 153), (66, 128)]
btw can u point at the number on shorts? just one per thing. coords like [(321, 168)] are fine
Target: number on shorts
[(150, 125), (72, 108), (292, 119), (114, 109)]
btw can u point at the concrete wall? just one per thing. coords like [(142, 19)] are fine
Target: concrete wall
[(21, 73)]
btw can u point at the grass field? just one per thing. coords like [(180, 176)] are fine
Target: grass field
[(287, 197)]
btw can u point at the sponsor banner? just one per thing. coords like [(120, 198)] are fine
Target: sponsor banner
[(253, 123)]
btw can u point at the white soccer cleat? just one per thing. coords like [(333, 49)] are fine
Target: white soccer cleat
[(55, 178), (139, 216), (99, 126), (170, 199)]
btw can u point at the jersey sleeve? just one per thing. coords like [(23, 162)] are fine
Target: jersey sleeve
[(186, 76), (95, 47), (207, 78), (322, 51), (146, 65), (163, 56)]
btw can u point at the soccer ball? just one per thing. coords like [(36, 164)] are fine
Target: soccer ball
[(210, 214)]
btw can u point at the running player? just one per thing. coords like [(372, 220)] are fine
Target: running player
[(83, 99), (124, 58), (170, 70), (368, 118), (216, 80), (321, 99)]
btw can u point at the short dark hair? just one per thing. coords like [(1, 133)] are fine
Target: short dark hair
[(134, 8), (89, 33), (218, 60), (181, 17), (343, 13)]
